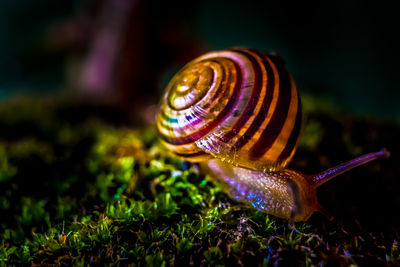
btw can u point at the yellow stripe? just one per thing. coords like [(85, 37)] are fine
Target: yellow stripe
[(178, 149), (271, 110), (196, 158), (280, 143), (260, 102), (182, 149)]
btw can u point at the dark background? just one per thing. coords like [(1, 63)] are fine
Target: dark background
[(347, 51), (123, 52)]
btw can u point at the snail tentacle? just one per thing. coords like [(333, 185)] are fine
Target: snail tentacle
[(323, 177)]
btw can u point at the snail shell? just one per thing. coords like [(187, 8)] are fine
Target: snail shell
[(239, 105)]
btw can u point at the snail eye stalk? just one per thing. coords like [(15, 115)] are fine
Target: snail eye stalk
[(323, 177)]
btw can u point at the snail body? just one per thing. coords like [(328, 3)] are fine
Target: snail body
[(237, 112), (284, 194)]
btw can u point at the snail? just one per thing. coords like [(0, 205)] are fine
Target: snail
[(237, 113)]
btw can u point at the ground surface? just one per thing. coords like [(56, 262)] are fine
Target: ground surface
[(84, 185)]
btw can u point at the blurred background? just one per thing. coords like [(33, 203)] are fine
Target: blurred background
[(123, 52)]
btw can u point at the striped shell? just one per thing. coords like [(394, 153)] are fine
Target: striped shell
[(239, 105)]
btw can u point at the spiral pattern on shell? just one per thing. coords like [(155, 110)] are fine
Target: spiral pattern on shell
[(238, 105)]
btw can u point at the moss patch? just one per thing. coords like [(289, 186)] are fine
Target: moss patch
[(78, 186)]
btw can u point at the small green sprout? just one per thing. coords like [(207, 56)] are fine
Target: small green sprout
[(214, 256)]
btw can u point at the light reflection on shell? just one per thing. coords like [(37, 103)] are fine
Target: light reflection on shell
[(239, 105)]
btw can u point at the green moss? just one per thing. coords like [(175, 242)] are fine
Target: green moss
[(85, 191), (33, 212)]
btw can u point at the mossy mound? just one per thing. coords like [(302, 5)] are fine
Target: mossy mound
[(80, 185)]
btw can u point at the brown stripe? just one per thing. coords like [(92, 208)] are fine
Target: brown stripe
[(199, 153), (291, 143), (265, 106), (275, 125), (221, 116), (246, 114)]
